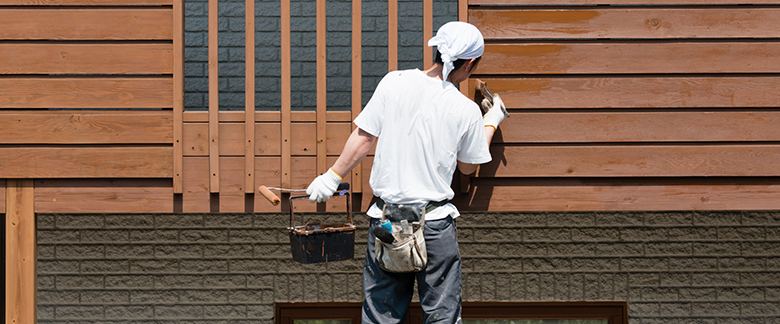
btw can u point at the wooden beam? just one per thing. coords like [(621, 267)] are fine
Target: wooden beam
[(178, 94), (629, 57), (613, 2), (213, 96), (627, 23), (85, 127), (86, 162), (134, 23), (249, 99), (637, 92), (286, 88), (357, 81), (427, 33), (322, 87), (85, 58), (20, 253), (266, 116), (392, 35), (84, 2), (86, 92), (127, 196)]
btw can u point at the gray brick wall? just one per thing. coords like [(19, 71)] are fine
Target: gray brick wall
[(303, 41), (672, 267)]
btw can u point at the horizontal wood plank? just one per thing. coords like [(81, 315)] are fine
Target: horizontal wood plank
[(626, 23), (133, 23), (267, 116), (621, 194), (83, 58), (622, 127), (85, 2), (614, 2), (635, 92), (629, 57), (633, 161), (86, 162), (93, 127), (267, 139), (125, 196), (86, 92)]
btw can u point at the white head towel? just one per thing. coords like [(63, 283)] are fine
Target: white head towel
[(457, 40)]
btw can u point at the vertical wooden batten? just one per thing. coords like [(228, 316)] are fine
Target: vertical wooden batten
[(20, 253), (427, 32), (286, 94), (322, 84), (178, 94), (357, 81), (249, 110), (392, 35), (214, 96)]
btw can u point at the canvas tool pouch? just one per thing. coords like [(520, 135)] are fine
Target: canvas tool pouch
[(407, 253)]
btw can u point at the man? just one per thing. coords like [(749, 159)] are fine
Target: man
[(423, 127)]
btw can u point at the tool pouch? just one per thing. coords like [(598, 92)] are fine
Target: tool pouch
[(407, 253)]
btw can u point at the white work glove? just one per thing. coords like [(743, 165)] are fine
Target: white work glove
[(323, 187), (496, 111)]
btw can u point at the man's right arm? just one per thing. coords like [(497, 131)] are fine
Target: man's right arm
[(355, 150)]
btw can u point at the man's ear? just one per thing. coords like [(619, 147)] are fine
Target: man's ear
[(471, 65)]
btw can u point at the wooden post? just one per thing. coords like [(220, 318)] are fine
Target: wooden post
[(322, 90), (357, 82), (20, 254), (427, 32), (249, 93), (214, 96), (178, 95), (286, 108), (392, 35)]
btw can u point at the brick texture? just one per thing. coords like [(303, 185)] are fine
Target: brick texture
[(687, 267)]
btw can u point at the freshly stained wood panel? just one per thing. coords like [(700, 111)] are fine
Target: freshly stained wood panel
[(86, 92), (634, 161), (622, 194), (126, 196), (266, 116), (267, 137), (86, 24), (94, 127), (86, 58), (86, 162), (637, 127), (616, 2), (629, 23), (20, 253), (630, 57), (637, 92)]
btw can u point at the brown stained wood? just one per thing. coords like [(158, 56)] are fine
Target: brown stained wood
[(629, 23), (84, 2), (588, 127), (568, 194), (267, 139), (79, 127), (322, 87), (86, 58), (2, 194), (86, 162), (634, 161), (86, 24), (86, 92), (249, 97), (612, 2), (392, 35), (20, 253), (357, 79), (622, 58), (178, 93), (631, 92), (126, 196), (266, 116), (286, 87), (213, 135)]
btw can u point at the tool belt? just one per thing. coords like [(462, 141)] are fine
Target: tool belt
[(407, 253), (428, 208)]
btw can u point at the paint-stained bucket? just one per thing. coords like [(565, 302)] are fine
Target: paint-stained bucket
[(317, 243)]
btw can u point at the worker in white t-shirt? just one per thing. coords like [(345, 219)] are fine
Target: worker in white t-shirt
[(424, 128)]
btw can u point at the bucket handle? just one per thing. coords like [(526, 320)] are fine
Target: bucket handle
[(342, 190)]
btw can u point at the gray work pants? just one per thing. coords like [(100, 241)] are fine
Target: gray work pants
[(387, 294)]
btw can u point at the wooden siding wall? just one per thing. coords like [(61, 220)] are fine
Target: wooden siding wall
[(631, 105)]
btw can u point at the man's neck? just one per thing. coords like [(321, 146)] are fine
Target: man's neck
[(435, 71)]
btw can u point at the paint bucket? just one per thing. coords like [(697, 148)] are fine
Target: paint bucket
[(318, 243)]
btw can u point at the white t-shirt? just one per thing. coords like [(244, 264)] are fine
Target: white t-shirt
[(424, 126)]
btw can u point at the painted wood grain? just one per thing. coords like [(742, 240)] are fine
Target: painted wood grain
[(86, 162), (622, 194), (126, 196), (84, 2), (637, 92), (86, 92), (266, 116), (20, 253), (85, 58), (634, 161), (630, 57), (614, 2), (93, 127), (626, 23), (637, 127), (135, 23)]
